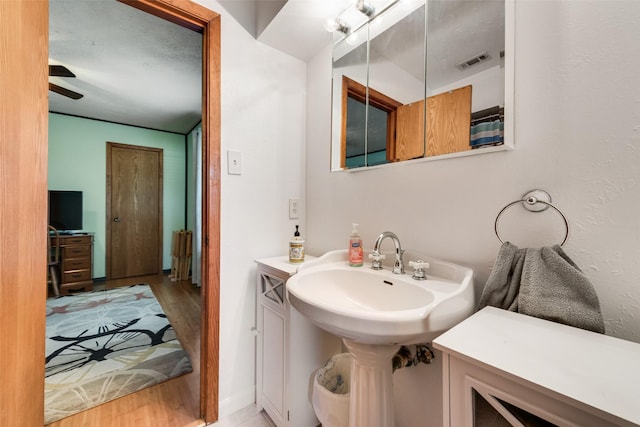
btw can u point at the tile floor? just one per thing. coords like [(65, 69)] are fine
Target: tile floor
[(247, 417)]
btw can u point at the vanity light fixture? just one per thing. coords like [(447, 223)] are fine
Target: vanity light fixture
[(350, 19), (365, 8), (336, 24)]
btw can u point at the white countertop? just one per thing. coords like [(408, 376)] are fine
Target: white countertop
[(282, 263), (598, 370)]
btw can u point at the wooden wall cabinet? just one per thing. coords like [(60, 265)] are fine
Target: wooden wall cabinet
[(448, 121), (289, 349), (76, 263)]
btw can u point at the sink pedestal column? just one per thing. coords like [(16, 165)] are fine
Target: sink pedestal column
[(371, 401)]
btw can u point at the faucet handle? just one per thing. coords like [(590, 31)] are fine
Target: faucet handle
[(376, 260), (418, 269)]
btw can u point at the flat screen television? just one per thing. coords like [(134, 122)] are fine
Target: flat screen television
[(65, 210)]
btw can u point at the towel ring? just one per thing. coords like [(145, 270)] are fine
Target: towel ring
[(529, 202)]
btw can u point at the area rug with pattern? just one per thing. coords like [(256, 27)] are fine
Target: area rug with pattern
[(106, 344)]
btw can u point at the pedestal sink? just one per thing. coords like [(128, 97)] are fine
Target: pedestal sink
[(375, 312)]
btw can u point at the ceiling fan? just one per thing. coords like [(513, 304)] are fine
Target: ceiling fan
[(62, 71)]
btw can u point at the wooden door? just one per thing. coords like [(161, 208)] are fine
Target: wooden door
[(134, 211)]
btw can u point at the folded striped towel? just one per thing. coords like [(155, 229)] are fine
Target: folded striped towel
[(487, 133)]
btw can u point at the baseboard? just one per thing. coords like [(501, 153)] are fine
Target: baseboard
[(238, 401), (104, 278)]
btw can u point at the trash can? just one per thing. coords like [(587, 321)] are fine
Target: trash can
[(330, 396)]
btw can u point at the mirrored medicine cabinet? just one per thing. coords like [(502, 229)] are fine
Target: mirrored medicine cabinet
[(423, 79)]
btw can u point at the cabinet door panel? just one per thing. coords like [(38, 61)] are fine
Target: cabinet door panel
[(272, 287), (449, 122), (273, 359), (510, 401), (410, 131)]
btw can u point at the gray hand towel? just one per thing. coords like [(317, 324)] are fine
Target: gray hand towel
[(545, 283)]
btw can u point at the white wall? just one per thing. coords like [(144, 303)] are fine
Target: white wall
[(577, 135), (263, 103), (487, 88)]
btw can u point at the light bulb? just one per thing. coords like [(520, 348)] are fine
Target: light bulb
[(337, 24), (331, 24)]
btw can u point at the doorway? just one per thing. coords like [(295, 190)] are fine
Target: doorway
[(134, 210), (199, 18), (24, 65)]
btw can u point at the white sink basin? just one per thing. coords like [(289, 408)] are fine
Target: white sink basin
[(378, 307)]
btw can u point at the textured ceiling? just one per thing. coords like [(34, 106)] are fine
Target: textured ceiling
[(131, 67), (134, 68)]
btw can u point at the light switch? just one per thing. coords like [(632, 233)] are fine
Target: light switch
[(234, 162)]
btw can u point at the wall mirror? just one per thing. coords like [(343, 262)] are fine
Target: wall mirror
[(423, 80)]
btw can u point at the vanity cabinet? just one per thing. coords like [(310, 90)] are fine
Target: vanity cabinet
[(507, 369), (289, 348)]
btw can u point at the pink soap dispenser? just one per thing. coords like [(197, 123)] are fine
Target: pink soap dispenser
[(355, 248)]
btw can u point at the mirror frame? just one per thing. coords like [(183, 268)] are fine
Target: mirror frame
[(358, 91), (337, 163)]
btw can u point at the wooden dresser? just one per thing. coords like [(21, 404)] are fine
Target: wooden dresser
[(76, 263)]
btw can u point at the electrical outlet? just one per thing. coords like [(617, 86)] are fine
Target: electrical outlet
[(294, 208)]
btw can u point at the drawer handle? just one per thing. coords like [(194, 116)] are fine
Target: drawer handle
[(76, 275)]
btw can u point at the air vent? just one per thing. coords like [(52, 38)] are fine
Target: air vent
[(473, 61)]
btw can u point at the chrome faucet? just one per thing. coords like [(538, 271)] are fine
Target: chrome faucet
[(398, 266)]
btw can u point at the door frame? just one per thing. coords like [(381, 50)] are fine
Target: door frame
[(24, 28), (23, 203), (109, 218), (198, 18)]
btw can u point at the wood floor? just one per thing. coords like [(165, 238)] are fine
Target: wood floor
[(174, 403)]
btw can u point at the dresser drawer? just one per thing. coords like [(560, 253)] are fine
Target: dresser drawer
[(76, 276), (76, 264), (76, 252), (76, 240)]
